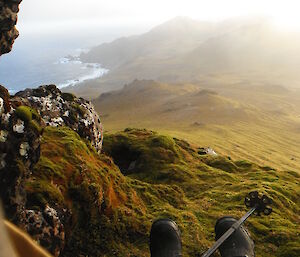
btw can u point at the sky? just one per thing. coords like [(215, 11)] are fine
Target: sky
[(55, 14)]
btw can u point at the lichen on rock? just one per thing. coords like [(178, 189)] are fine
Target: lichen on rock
[(63, 109), (24, 148), (18, 127), (3, 136)]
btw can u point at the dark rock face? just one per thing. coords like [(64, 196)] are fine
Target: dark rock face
[(8, 20), (23, 118), (20, 132)]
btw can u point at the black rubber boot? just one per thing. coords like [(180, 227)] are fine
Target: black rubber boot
[(165, 239), (239, 244)]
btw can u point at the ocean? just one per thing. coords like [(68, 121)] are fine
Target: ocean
[(40, 58)]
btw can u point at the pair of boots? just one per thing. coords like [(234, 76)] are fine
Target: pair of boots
[(165, 239)]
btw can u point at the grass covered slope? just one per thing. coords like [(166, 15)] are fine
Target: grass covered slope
[(253, 121), (112, 209), (210, 187), (104, 218)]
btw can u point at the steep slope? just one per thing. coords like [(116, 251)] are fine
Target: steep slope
[(209, 186), (110, 211), (102, 214), (76, 202)]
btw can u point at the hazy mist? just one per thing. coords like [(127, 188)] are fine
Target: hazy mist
[(48, 14)]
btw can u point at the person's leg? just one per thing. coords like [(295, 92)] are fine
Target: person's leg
[(165, 239), (239, 244)]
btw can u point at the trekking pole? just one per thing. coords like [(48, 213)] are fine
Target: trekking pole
[(257, 204)]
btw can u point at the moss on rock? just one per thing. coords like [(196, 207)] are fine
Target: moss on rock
[(27, 113)]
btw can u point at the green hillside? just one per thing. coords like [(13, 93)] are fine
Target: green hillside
[(256, 122), (112, 209)]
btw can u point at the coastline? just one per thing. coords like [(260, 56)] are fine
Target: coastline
[(97, 71), (88, 71)]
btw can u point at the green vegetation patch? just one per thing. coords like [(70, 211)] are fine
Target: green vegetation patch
[(106, 211), (164, 178), (209, 187), (27, 114), (41, 192), (163, 141), (142, 153)]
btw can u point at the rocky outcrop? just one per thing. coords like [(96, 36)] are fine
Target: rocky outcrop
[(8, 20), (20, 130), (23, 118), (64, 109)]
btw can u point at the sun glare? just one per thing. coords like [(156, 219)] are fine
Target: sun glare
[(287, 20), (285, 14)]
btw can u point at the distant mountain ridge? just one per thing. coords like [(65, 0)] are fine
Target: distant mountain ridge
[(158, 42), (185, 50)]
